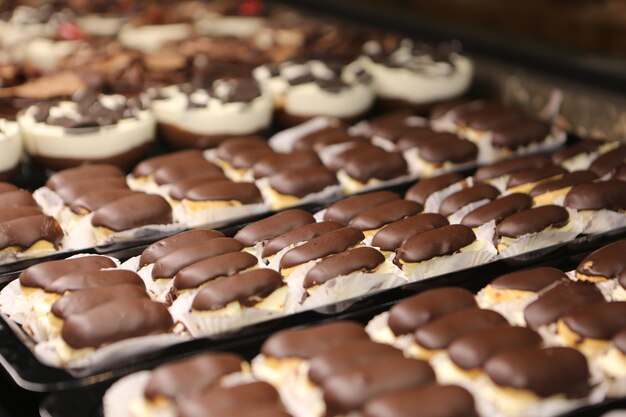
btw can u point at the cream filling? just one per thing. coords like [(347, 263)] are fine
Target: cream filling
[(353, 186), (525, 188), (273, 302), (310, 100), (613, 363), (506, 241), (38, 248), (46, 54), (496, 296), (159, 407), (280, 201), (589, 346), (150, 38), (511, 401), (550, 197), (68, 354), (409, 267), (10, 145)]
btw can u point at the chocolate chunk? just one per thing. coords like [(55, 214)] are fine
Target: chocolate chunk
[(608, 261), (427, 401), (307, 342), (533, 220), (415, 312), (522, 132), (5, 187), (80, 280), (440, 333), (94, 200), (620, 341), (441, 151), (423, 189), (345, 210), (42, 275), (597, 321), (585, 146), (488, 116), (223, 401), (189, 376), (273, 164), (243, 192), (560, 300), (378, 216), (456, 201), (246, 159), (82, 173), (179, 170), (442, 241), (273, 226), (379, 165), (247, 288), (350, 390), (475, 349), (567, 180), (228, 149), (19, 198), (509, 166), (393, 235), (209, 269), (169, 265), (77, 189), (609, 195), (344, 263), (300, 234), (150, 165), (327, 244), (171, 244), (609, 161), (533, 175), (546, 372), (497, 209), (535, 279), (78, 302), (300, 182), (11, 213), (347, 356), (133, 211), (179, 189), (115, 321), (24, 232)]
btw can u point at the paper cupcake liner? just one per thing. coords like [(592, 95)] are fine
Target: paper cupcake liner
[(327, 193), (274, 262), (373, 184), (604, 220), (513, 311), (582, 161), (303, 398), (117, 400), (445, 123), (614, 375), (448, 373), (284, 141), (49, 201), (157, 289), (432, 203), (379, 332), (487, 153), (215, 216), (619, 294)]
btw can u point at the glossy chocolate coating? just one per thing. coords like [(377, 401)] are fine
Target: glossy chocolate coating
[(620, 341), (510, 165), (344, 263), (621, 279), (413, 313), (181, 188), (428, 401), (133, 211), (523, 132), (338, 160), (440, 333), (322, 138), (456, 151), (75, 190), (350, 390), (300, 234), (300, 182), (497, 209), (597, 321), (273, 226), (80, 280), (170, 244), (486, 115), (11, 213), (456, 201), (379, 165), (581, 147), (532, 175), (610, 195), (345, 210), (168, 266), (17, 198), (246, 159), (78, 302), (41, 275), (191, 375), (560, 300), (68, 176), (423, 189), (609, 161), (23, 232), (209, 269), (307, 342), (393, 235), (534, 279), (6, 187), (150, 165), (473, 350), (608, 261), (228, 149), (327, 244), (442, 241), (114, 321), (179, 170), (389, 126), (567, 180), (273, 164), (533, 220), (386, 213), (247, 288), (347, 356), (545, 372), (416, 137), (244, 192), (93, 200)]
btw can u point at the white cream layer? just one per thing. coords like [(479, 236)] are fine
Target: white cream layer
[(150, 38), (10, 145), (100, 25)]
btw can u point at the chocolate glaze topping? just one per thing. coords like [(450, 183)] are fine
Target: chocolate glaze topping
[(567, 180), (23, 232), (423, 189), (609, 161), (18, 198), (608, 261), (94, 200), (175, 171), (273, 226), (68, 176), (209, 269), (78, 302), (353, 260), (374, 164), (533, 220), (74, 190), (133, 211), (181, 188), (456, 151), (228, 149), (274, 164), (442, 241), (377, 217), (455, 201), (509, 166), (610, 195), (532, 175), (170, 244), (534, 279), (393, 235), (597, 321), (244, 192), (620, 341), (345, 210), (41, 275), (11, 213), (300, 234), (497, 209), (150, 165), (300, 182), (6, 187), (582, 147), (523, 132), (80, 280)]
